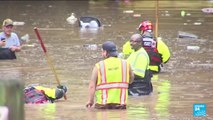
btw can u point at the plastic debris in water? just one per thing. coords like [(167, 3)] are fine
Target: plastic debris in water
[(197, 23), (207, 10), (186, 35), (71, 19), (91, 46), (18, 23), (193, 47), (128, 11), (25, 38), (137, 15), (182, 13)]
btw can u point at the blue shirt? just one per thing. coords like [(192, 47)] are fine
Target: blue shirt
[(13, 40)]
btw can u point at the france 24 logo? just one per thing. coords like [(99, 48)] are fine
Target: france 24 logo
[(199, 110)]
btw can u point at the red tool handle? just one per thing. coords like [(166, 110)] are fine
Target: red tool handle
[(40, 40)]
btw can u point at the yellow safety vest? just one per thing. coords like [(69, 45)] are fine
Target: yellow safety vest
[(162, 49), (48, 91), (139, 62), (113, 80), (127, 49)]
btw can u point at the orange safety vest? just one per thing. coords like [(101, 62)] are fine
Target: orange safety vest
[(113, 81)]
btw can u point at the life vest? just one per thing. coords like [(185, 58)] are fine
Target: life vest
[(113, 80), (150, 45), (34, 96)]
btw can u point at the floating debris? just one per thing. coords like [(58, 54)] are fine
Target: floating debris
[(186, 35), (18, 23), (193, 47), (128, 11), (25, 38), (207, 10), (72, 19), (197, 23), (91, 46), (182, 13), (136, 15)]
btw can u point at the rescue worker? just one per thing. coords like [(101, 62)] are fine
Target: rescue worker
[(110, 79), (139, 61), (9, 41), (36, 94), (157, 50)]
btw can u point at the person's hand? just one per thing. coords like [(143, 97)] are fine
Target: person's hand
[(89, 104), (62, 87), (13, 48), (2, 43)]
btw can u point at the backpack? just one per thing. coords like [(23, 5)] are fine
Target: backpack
[(34, 96), (150, 45)]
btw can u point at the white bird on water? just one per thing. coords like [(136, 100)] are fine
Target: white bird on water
[(72, 19)]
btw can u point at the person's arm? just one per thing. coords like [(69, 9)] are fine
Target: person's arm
[(15, 48), (131, 75), (92, 87)]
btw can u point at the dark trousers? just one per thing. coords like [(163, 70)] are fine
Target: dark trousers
[(6, 53), (141, 86)]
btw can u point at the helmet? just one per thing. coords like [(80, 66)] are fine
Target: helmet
[(145, 25)]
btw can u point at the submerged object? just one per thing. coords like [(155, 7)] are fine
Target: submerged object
[(71, 19), (182, 34), (89, 22), (207, 10)]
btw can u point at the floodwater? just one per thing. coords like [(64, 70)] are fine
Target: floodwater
[(185, 80)]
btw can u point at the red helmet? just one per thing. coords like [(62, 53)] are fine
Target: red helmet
[(145, 25)]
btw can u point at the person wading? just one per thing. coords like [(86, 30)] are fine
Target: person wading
[(110, 79), (139, 61)]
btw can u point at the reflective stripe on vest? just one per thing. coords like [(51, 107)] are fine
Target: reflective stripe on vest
[(112, 85), (104, 86)]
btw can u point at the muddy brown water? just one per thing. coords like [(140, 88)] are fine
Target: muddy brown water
[(185, 80)]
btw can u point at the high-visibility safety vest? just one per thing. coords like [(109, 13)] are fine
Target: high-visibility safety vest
[(162, 48), (113, 80), (127, 49), (48, 91), (139, 62)]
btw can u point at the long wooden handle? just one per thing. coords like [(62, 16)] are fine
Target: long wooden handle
[(48, 58), (156, 24)]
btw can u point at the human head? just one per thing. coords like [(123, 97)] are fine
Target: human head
[(7, 26), (109, 49), (145, 26), (136, 41)]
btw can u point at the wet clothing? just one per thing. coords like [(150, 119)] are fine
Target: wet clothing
[(112, 83), (141, 86), (6, 53), (13, 40), (40, 94), (139, 62), (162, 52)]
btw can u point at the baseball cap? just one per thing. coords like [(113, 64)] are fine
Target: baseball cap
[(110, 47), (7, 22)]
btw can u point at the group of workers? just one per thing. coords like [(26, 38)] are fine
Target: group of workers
[(113, 78)]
